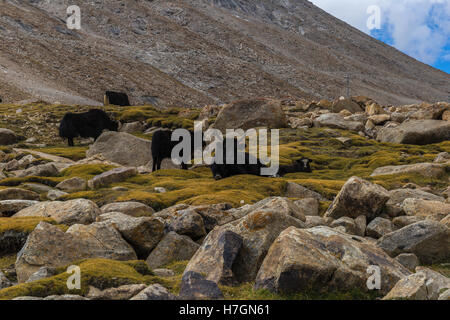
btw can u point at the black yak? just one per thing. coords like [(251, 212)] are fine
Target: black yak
[(116, 98), (301, 165), (162, 146), (251, 166), (86, 125)]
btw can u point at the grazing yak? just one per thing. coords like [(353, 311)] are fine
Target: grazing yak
[(86, 125), (116, 98), (222, 171), (302, 165), (162, 146)]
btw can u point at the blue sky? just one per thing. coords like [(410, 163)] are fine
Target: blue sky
[(419, 28)]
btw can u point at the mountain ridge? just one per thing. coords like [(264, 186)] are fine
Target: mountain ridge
[(192, 53)]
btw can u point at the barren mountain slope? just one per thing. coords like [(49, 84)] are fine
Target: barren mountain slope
[(195, 52)]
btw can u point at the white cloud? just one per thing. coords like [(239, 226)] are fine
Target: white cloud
[(420, 28)]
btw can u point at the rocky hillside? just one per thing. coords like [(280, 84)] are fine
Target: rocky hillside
[(378, 196), (192, 53)]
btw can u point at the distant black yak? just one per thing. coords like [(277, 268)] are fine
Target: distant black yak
[(162, 146), (86, 125), (301, 165), (116, 98), (251, 166)]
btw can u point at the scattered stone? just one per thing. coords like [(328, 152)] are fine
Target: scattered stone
[(394, 206), (112, 176), (337, 121), (322, 258), (154, 292), (432, 170), (49, 246), (122, 148), (442, 157), (42, 273), (66, 297), (133, 127), (428, 240), (215, 258), (10, 207), (347, 223), (163, 273), (295, 190), (418, 132), (8, 137), (403, 221), (408, 260), (379, 227), (361, 225), (446, 221), (258, 230), (55, 194), (134, 209), (194, 286), (188, 223), (160, 190), (18, 194), (172, 247), (246, 114), (72, 185), (314, 221), (4, 282), (358, 197), (142, 233), (308, 206), (124, 292), (37, 187), (434, 210), (78, 211), (42, 170), (346, 104)]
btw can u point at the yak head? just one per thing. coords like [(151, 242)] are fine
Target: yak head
[(303, 165)]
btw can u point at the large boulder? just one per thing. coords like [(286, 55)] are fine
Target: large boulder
[(216, 256), (172, 247), (434, 210), (379, 227), (142, 233), (324, 259), (258, 230), (189, 223), (418, 132), (394, 205), (10, 207), (432, 170), (346, 104), (194, 286), (49, 246), (294, 190), (131, 208), (18, 194), (78, 211), (247, 114), (112, 176), (122, 148), (72, 185), (358, 197), (425, 284), (428, 240), (8, 137), (337, 121), (42, 170)]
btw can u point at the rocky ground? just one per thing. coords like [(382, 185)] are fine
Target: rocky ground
[(378, 196)]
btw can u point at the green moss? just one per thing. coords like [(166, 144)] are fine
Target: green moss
[(100, 273), (13, 182), (23, 224), (7, 261), (85, 171), (73, 153)]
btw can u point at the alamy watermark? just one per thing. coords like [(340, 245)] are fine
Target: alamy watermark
[(221, 149), (74, 281), (374, 280), (374, 20), (74, 17)]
